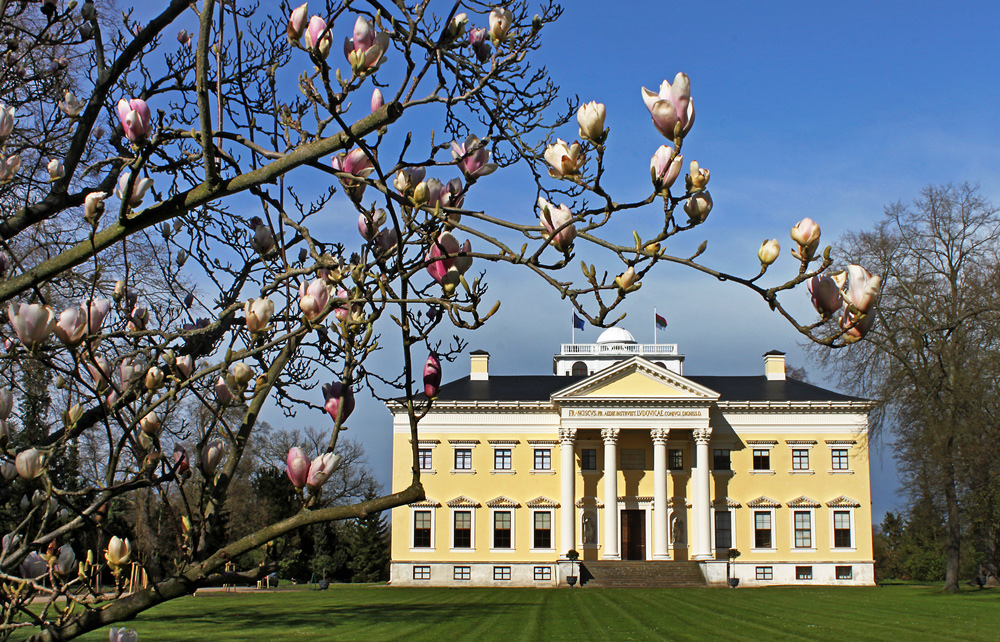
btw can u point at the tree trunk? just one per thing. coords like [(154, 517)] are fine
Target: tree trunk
[(952, 552)]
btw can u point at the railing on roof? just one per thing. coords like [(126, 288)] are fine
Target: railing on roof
[(643, 349)]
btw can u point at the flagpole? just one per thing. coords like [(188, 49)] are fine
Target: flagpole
[(654, 324), (573, 321)]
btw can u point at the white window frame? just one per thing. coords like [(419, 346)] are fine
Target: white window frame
[(510, 451), (472, 530), (810, 470), (770, 459), (753, 531), (413, 527), (472, 459), (513, 538), (534, 452), (426, 471), (552, 530), (840, 471), (812, 530), (854, 541)]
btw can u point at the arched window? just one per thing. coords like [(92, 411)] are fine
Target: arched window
[(661, 364), (579, 369)]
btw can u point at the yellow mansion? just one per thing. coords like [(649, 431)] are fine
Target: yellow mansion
[(619, 456)]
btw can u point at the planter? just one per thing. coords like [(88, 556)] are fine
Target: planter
[(734, 582), (571, 580)]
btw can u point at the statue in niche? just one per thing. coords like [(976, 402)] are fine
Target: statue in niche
[(676, 530), (588, 529)]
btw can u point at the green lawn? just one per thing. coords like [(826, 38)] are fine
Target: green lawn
[(377, 613)]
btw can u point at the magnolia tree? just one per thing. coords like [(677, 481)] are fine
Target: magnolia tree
[(240, 216)]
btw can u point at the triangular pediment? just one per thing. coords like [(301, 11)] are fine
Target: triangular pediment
[(636, 378)]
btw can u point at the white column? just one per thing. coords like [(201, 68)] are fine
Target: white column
[(702, 522), (567, 496), (661, 550), (610, 437)]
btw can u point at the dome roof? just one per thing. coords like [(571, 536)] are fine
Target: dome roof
[(616, 335)]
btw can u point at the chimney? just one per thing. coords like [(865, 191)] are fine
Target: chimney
[(480, 365), (774, 365)]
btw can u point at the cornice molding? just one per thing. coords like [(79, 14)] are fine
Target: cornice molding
[(502, 502), (542, 502), (763, 502), (463, 502), (843, 502)]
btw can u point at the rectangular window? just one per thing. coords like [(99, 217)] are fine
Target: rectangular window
[(765, 572), (501, 573), (723, 529), (463, 529), (803, 529), (543, 459), (543, 530), (588, 459), (839, 456), (842, 529), (424, 458), (463, 573), (421, 529), (421, 572), (761, 459), (543, 573), (675, 459), (845, 572), (633, 459), (463, 459), (803, 572), (501, 459), (501, 529), (762, 529), (800, 459), (721, 460)]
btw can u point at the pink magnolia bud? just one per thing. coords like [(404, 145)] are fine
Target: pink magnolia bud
[(318, 38), (441, 256), (258, 314), (432, 376), (565, 159), (138, 191), (590, 117), (185, 366), (65, 562), (154, 379), (554, 219), (32, 323), (69, 105), (150, 423), (313, 298), (357, 164), (377, 101), (135, 118), (768, 252), (8, 170), (863, 288), (366, 50), (181, 460), (698, 207), (664, 168), (806, 233), (321, 469), (222, 392), (8, 116), (473, 158), (211, 457), (698, 177), (297, 467), (100, 371), (626, 280), (93, 206), (480, 45), (6, 403), (500, 23), (671, 108), (55, 169), (119, 552), (370, 222), (297, 22), (339, 401), (29, 463), (409, 177), (825, 295)]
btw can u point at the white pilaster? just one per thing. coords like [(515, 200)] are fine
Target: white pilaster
[(702, 522), (567, 496), (661, 538), (610, 437)]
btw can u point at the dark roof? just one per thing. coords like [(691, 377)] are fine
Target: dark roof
[(541, 387), (480, 352)]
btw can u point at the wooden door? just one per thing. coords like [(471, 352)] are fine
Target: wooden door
[(633, 534)]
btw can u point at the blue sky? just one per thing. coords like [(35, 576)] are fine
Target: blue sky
[(827, 110)]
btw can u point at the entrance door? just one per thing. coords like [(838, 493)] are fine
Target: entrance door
[(633, 534)]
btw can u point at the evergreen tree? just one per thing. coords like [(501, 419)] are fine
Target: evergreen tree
[(369, 559)]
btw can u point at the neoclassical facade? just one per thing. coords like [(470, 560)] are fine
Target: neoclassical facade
[(619, 456)]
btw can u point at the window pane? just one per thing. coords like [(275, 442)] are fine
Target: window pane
[(676, 457), (424, 458), (588, 459), (422, 519), (723, 530), (502, 520), (633, 459), (840, 459), (721, 459), (463, 519), (501, 459), (543, 459), (463, 459), (803, 529), (761, 459), (543, 520), (800, 459)]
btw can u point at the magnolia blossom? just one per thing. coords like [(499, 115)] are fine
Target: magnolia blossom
[(806, 234), (370, 222), (100, 371), (8, 470), (473, 158), (387, 239), (263, 239), (447, 260), (297, 466), (566, 160), (222, 392), (258, 314), (768, 252), (445, 195), (863, 288), (313, 298), (626, 281), (133, 197), (242, 374), (6, 403), (825, 294), (480, 45), (55, 169), (408, 178), (150, 423), (123, 635), (72, 326), (664, 168), (135, 119), (366, 50), (318, 37), (119, 552), (181, 460), (339, 400), (185, 365), (96, 311), (432, 376), (93, 206), (211, 457), (297, 22), (70, 106), (29, 463), (34, 566), (127, 372), (590, 117), (8, 169), (557, 218), (698, 207), (154, 379), (8, 116), (698, 177), (378, 102), (65, 562), (500, 22), (321, 468), (357, 164), (32, 323), (347, 311), (183, 37), (672, 108), (456, 27)]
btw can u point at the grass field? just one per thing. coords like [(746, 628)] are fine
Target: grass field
[(377, 613)]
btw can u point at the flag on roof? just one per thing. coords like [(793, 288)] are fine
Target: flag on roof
[(661, 323), (577, 322)]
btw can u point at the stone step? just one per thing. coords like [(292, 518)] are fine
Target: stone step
[(636, 574)]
